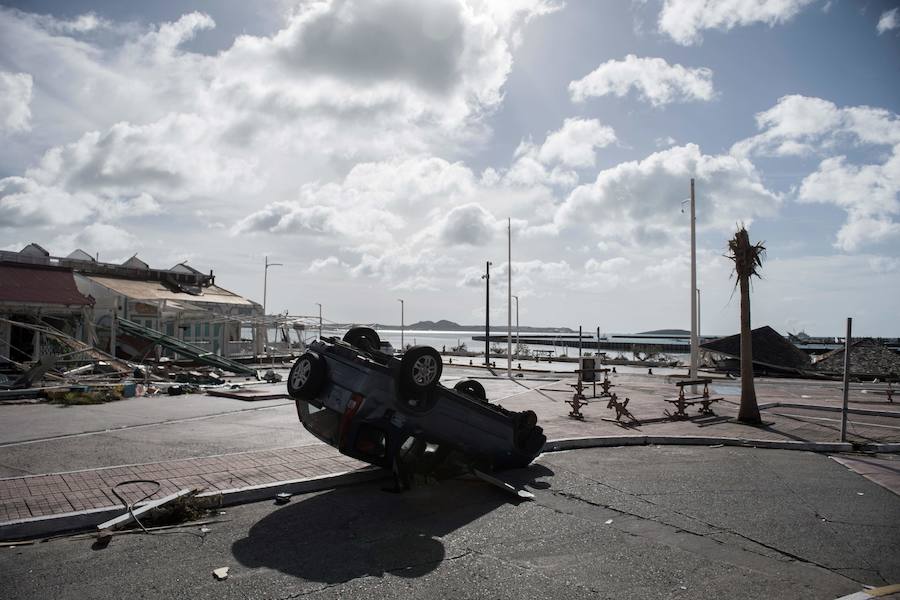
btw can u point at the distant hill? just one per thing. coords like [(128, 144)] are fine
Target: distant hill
[(442, 325), (666, 332), (445, 325)]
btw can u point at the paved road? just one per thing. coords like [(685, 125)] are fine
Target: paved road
[(641, 522), (46, 438)]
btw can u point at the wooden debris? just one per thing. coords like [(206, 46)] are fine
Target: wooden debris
[(113, 524)]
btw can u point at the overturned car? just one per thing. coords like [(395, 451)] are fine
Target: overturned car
[(394, 413)]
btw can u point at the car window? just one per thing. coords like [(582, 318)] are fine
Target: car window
[(323, 422)]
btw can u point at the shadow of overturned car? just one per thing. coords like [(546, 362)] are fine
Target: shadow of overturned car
[(347, 533)]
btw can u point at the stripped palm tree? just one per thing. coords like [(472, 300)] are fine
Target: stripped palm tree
[(747, 259)]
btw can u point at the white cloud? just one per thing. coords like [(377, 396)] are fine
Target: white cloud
[(15, 100), (868, 193), (322, 264), (575, 143), (81, 24), (610, 272), (639, 201), (790, 126), (357, 81), (24, 202), (800, 125), (125, 172), (468, 224), (683, 20), (572, 146), (653, 79), (665, 142), (95, 237), (889, 20)]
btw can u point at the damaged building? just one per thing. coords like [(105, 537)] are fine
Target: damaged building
[(81, 296), (39, 293)]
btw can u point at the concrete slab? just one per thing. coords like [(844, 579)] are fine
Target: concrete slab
[(885, 471)]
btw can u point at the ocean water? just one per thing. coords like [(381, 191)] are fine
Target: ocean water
[(448, 339), (445, 340)]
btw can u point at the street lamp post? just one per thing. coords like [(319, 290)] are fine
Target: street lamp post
[(517, 324), (320, 320), (402, 324), (695, 342), (487, 313), (265, 290), (509, 297)]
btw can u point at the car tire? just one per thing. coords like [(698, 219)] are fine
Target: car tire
[(470, 387), (420, 369), (526, 420), (363, 338), (307, 376)]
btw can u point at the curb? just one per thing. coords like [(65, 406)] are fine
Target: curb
[(82, 520), (680, 440), (871, 412)]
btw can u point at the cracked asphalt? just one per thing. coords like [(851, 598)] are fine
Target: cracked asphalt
[(637, 522)]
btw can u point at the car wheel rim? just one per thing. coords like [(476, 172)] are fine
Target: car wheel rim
[(424, 370), (301, 373)]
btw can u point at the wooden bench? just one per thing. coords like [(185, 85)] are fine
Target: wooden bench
[(683, 401), (548, 354), (605, 384)]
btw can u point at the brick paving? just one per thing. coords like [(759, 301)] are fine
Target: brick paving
[(41, 495)]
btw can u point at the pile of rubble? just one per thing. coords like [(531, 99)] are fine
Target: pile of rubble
[(77, 373)]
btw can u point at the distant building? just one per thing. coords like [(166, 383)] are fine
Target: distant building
[(181, 302)]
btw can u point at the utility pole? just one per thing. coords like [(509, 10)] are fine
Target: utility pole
[(517, 325), (695, 342), (265, 286), (320, 320), (402, 323), (509, 297), (846, 380), (487, 313)]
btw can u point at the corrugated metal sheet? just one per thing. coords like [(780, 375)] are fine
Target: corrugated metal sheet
[(39, 285), (154, 290), (770, 349)]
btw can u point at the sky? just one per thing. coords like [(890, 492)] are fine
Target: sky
[(381, 149)]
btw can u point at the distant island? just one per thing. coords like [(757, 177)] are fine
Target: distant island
[(445, 325), (666, 332)]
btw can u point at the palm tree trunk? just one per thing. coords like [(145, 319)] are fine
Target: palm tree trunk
[(749, 411)]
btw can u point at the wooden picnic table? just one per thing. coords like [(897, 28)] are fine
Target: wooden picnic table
[(683, 401)]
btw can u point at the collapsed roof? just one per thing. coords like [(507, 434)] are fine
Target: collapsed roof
[(770, 350), (39, 285)]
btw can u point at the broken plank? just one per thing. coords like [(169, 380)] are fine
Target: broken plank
[(136, 512)]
